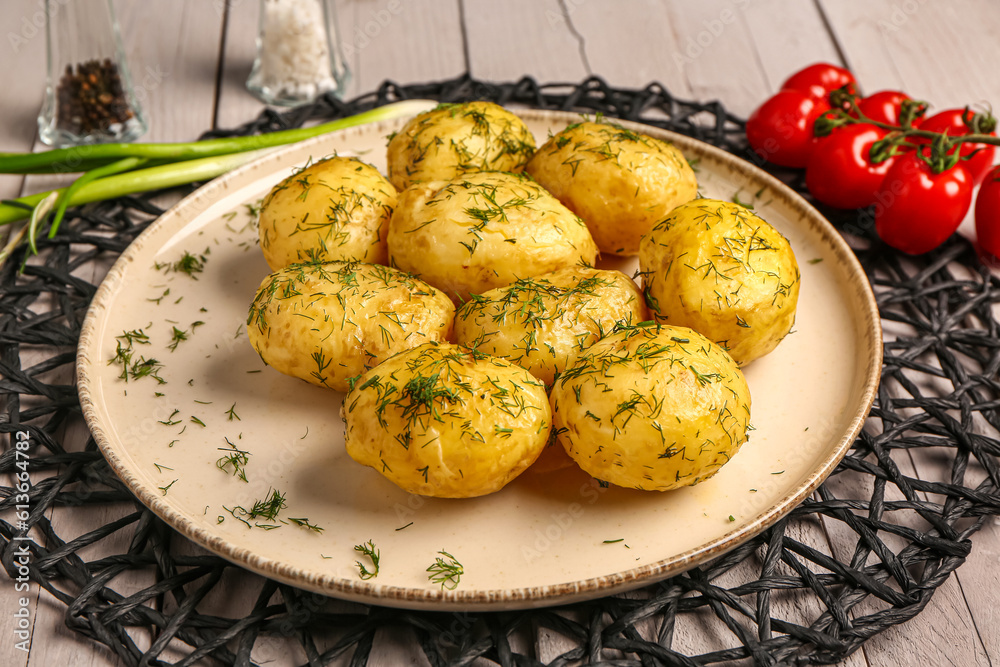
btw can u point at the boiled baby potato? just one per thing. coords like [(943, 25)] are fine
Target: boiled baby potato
[(328, 323), (720, 269), (652, 407), (543, 323), (335, 209), (619, 181), (455, 139), (445, 421), (484, 230)]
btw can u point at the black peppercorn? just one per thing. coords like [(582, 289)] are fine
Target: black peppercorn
[(92, 99)]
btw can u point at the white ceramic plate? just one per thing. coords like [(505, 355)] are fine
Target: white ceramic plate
[(545, 539)]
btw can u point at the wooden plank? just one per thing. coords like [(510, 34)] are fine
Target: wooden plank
[(235, 105), (24, 75), (933, 51), (404, 42), (172, 52), (787, 35), (526, 37), (655, 53)]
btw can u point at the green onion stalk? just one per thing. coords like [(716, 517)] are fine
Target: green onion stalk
[(114, 170)]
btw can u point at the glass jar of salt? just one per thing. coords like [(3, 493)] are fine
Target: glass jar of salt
[(298, 52)]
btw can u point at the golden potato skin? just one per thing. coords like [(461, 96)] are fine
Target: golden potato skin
[(335, 209), (653, 407), (484, 230), (445, 421), (720, 269), (619, 181), (456, 139), (328, 323), (543, 323)]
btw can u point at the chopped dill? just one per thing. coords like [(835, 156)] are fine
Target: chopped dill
[(235, 458), (304, 523), (446, 572), (374, 555), (188, 264)]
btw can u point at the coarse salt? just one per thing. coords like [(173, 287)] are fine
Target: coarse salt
[(294, 59)]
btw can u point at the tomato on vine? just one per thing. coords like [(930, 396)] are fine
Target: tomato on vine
[(841, 172), (988, 214), (919, 208), (821, 79), (885, 106), (781, 129), (978, 158)]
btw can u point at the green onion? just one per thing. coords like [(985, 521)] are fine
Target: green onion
[(64, 159), (166, 165), (141, 180)]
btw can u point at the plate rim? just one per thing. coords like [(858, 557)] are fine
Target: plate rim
[(502, 598)]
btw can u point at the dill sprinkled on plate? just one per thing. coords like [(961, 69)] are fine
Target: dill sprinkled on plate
[(188, 264), (166, 488), (374, 555), (170, 421), (446, 572), (304, 523), (133, 369), (266, 508), (235, 458)]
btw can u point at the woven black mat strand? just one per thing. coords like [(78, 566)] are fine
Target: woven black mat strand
[(907, 534)]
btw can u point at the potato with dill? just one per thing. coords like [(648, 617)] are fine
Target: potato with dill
[(328, 323), (543, 323), (485, 230), (652, 407), (445, 421), (619, 181), (335, 209), (720, 269), (455, 139)]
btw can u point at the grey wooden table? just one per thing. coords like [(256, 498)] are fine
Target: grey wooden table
[(190, 59)]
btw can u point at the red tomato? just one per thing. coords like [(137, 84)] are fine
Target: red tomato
[(839, 172), (917, 209), (820, 79), (781, 130), (952, 123), (988, 214), (885, 106)]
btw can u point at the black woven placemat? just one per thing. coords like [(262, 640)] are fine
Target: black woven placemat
[(939, 395)]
